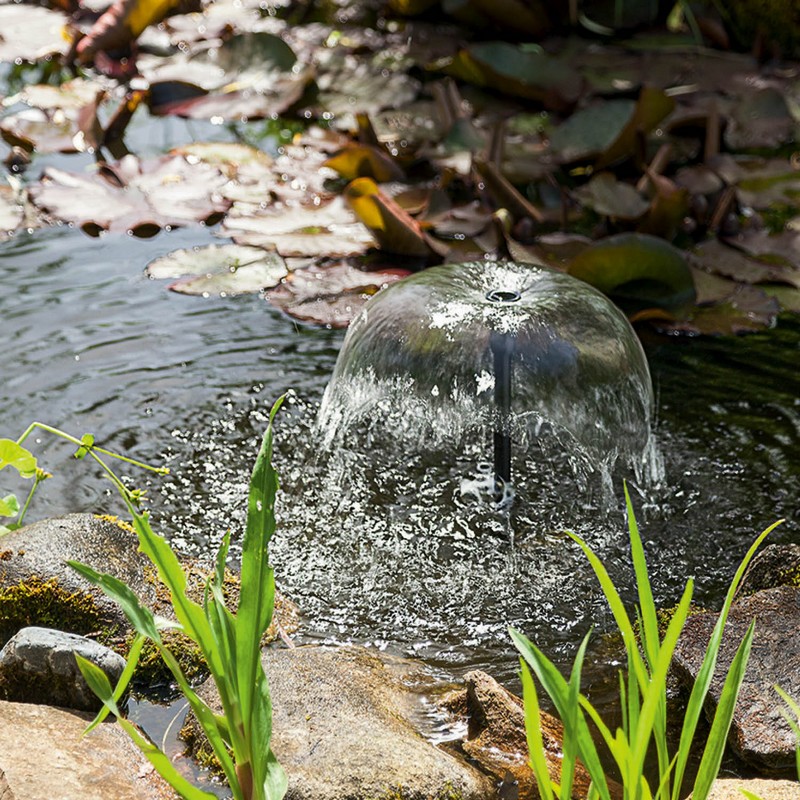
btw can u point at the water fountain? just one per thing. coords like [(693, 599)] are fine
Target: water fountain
[(517, 352)]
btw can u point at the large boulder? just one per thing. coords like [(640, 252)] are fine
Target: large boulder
[(38, 665), (759, 734), (44, 755), (343, 728), (37, 587)]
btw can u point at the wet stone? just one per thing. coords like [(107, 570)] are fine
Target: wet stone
[(37, 665), (44, 755), (760, 735), (343, 727)]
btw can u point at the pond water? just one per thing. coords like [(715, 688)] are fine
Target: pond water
[(377, 547)]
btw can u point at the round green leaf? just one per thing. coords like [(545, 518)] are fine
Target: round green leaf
[(638, 270)]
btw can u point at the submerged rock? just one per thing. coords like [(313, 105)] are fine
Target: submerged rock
[(496, 737), (38, 665), (343, 728), (759, 734), (44, 755)]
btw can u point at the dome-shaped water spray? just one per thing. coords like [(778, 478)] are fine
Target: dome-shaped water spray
[(511, 349)]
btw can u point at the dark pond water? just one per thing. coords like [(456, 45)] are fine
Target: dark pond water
[(378, 548)]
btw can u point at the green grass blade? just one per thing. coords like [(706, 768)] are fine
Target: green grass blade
[(694, 707), (618, 611), (570, 744), (139, 616), (219, 736), (533, 734), (558, 691), (794, 723), (718, 735), (101, 686), (124, 680), (647, 606), (256, 604)]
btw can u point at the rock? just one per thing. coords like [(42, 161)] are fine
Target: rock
[(759, 734), (496, 736), (38, 665), (44, 755), (342, 729), (731, 789), (772, 566), (38, 588)]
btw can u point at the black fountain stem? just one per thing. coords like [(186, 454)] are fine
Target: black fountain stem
[(502, 346)]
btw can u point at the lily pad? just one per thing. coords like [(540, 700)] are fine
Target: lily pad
[(30, 33), (330, 230), (590, 132), (609, 197), (360, 160), (639, 270), (518, 71), (761, 119), (219, 269), (254, 75), (11, 212), (717, 258), (133, 196), (329, 295)]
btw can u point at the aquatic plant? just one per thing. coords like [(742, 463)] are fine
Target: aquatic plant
[(643, 696), (230, 643)]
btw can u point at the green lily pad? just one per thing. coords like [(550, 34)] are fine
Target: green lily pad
[(219, 269), (590, 132), (609, 197), (518, 71), (638, 270)]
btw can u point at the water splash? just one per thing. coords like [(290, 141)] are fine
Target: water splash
[(418, 370)]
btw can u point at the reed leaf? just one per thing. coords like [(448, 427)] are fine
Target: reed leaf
[(718, 735)]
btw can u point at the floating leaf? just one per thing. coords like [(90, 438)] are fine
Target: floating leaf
[(395, 230), (135, 196), (330, 295), (609, 197), (30, 33), (254, 75), (517, 71), (219, 269), (746, 309), (11, 212), (637, 269), (760, 119), (330, 230), (761, 183), (717, 258), (590, 132)]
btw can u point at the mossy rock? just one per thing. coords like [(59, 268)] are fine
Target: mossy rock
[(37, 587)]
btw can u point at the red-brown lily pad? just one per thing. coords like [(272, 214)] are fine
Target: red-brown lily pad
[(734, 262), (330, 295), (133, 196)]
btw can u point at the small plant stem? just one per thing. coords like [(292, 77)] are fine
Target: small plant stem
[(36, 481), (244, 773), (91, 449)]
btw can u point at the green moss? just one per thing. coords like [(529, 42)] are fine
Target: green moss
[(47, 603)]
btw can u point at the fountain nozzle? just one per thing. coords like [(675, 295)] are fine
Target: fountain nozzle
[(503, 296)]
